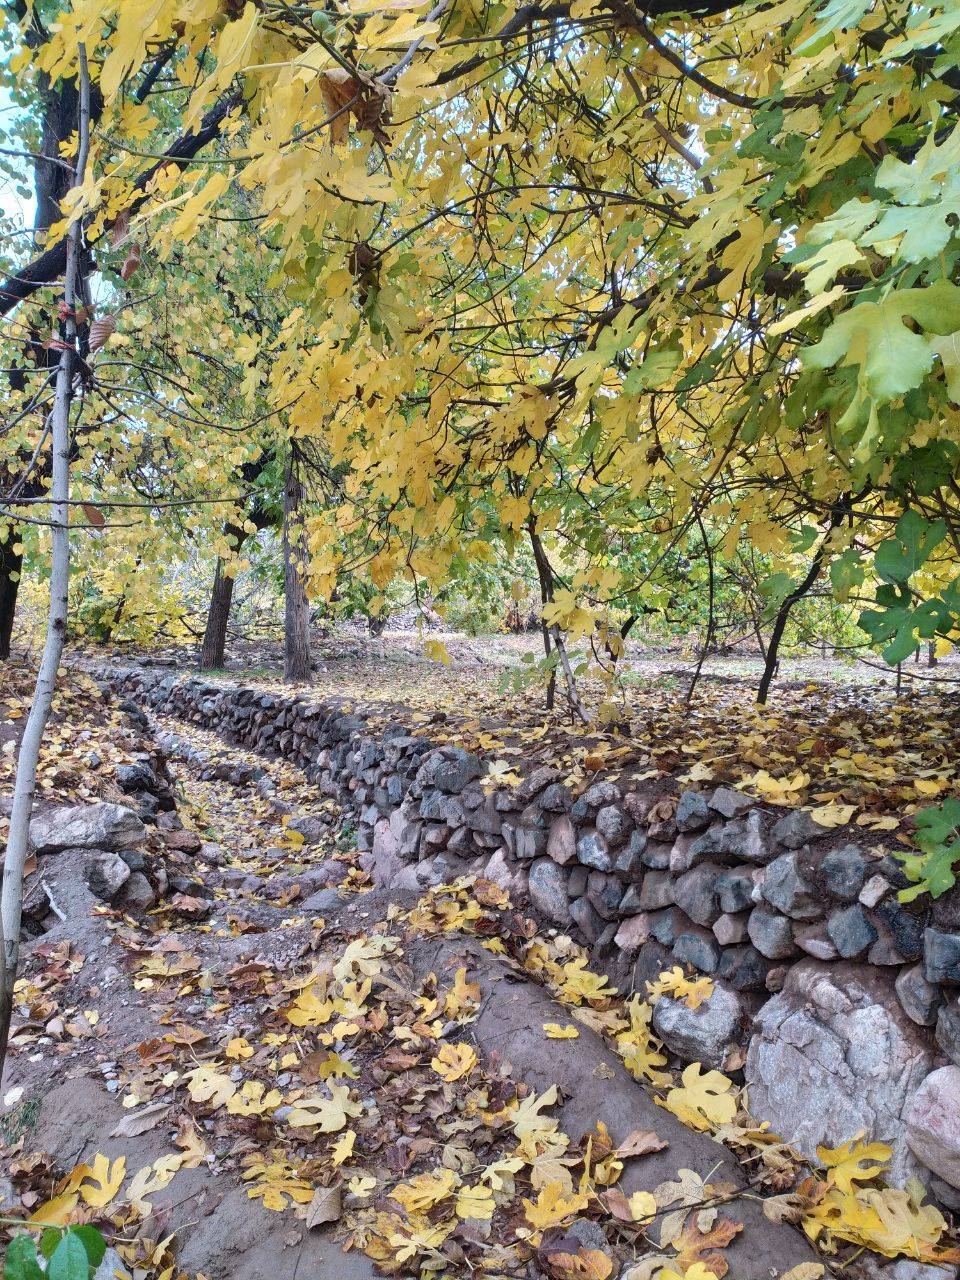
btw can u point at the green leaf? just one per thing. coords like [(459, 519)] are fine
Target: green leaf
[(93, 1242), (69, 1260), (938, 835), (21, 1260), (901, 556), (893, 359)]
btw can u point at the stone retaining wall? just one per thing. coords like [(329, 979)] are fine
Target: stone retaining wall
[(785, 915)]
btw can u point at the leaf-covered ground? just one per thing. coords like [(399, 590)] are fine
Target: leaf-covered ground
[(282, 1070)]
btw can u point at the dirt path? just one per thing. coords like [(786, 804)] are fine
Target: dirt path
[(307, 1079)]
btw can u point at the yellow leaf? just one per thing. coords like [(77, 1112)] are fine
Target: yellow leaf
[(552, 1206), (103, 1181), (329, 1115), (475, 1202), (554, 1031), (453, 1061), (704, 1101)]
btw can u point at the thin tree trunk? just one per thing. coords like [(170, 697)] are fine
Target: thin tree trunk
[(841, 509), (11, 898), (11, 567), (297, 666), (213, 649), (553, 633)]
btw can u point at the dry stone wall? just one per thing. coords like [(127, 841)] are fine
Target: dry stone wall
[(780, 911)]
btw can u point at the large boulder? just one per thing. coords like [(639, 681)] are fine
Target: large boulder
[(834, 1053), (86, 826), (933, 1124)]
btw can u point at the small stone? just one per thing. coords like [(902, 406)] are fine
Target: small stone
[(137, 893), (842, 872), (562, 841), (613, 824), (933, 1124), (746, 839), (798, 828), (592, 851), (920, 999), (577, 884), (941, 956), (815, 941), (703, 1034), (876, 888), (595, 797), (730, 929), (693, 813), (653, 959), (743, 968), (729, 803), (905, 927), (449, 769), (771, 934), (664, 926), (604, 892), (547, 887), (948, 1031), (656, 891), (106, 873), (683, 854), (851, 931), (655, 855), (555, 798), (629, 859), (787, 890), (630, 902), (695, 892), (134, 859), (735, 889), (633, 933), (529, 843), (590, 923), (697, 946)]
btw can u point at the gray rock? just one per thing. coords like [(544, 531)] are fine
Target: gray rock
[(592, 851), (105, 873), (656, 891), (547, 886), (696, 946), (138, 776), (874, 891), (137, 893), (851, 931), (933, 1124), (704, 1034), (833, 1054), (577, 884), (815, 941), (591, 924), (562, 841), (771, 934), (313, 828), (613, 824), (729, 803), (941, 956), (842, 872), (945, 910), (695, 892), (86, 826), (633, 933), (798, 828), (788, 891), (743, 968), (449, 769), (729, 930), (604, 892), (629, 859), (948, 1030), (693, 813), (530, 843), (735, 889), (323, 902), (594, 798), (905, 927), (555, 798), (745, 839), (655, 855), (437, 806), (665, 925), (920, 999), (684, 853), (134, 858)]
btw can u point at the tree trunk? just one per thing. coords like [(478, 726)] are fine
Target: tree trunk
[(297, 666), (213, 650), (11, 565), (11, 897)]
